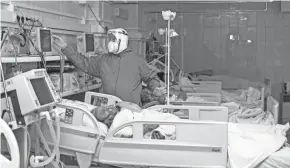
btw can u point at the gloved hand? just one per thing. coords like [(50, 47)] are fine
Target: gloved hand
[(130, 106), (58, 42)]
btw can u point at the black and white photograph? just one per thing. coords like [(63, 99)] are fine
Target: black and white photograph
[(145, 84)]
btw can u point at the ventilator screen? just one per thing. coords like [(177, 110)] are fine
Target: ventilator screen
[(90, 43), (42, 91), (45, 40)]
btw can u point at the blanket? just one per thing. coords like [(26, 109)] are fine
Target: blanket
[(250, 97), (245, 106)]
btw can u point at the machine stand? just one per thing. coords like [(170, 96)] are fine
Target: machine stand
[(84, 160)]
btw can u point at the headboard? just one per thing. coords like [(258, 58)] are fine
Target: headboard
[(273, 107)]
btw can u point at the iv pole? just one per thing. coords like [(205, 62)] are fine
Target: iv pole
[(168, 61), (168, 15)]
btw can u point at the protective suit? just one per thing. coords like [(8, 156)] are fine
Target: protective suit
[(121, 70)]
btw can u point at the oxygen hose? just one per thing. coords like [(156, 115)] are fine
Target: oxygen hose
[(56, 139)]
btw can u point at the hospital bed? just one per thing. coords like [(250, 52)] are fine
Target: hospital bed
[(208, 90), (212, 91), (272, 105), (208, 150)]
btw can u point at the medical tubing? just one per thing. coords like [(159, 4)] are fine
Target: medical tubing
[(57, 137), (28, 143), (2, 42), (118, 73), (55, 151), (62, 62), (32, 158), (56, 140), (42, 139), (14, 50), (5, 90)]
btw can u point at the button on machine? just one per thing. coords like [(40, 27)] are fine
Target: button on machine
[(68, 116)]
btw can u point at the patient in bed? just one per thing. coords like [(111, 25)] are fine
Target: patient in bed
[(123, 112), (148, 96)]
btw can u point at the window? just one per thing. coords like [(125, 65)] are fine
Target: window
[(126, 132), (181, 113), (160, 132)]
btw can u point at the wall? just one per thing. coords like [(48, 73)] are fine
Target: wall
[(131, 25), (205, 44)]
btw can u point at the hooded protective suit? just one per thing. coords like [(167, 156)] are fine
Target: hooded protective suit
[(122, 74)]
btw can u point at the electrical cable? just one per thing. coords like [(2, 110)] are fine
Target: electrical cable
[(105, 28), (4, 83), (55, 138), (43, 65), (14, 50)]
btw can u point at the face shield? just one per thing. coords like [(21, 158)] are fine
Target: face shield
[(116, 40)]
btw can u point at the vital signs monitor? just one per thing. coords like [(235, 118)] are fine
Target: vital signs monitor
[(42, 40), (86, 43)]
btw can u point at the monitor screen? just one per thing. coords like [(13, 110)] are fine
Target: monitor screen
[(90, 42), (42, 91), (45, 40)]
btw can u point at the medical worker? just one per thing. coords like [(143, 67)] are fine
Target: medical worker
[(121, 70)]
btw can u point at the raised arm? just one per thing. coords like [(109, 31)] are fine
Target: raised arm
[(90, 65)]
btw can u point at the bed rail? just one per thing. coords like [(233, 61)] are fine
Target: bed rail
[(203, 87), (273, 107), (196, 144), (211, 97), (184, 103), (196, 113), (204, 99)]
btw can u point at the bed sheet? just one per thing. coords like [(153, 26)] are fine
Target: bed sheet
[(279, 159), (245, 106), (251, 144)]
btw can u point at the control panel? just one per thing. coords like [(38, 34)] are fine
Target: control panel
[(68, 116), (99, 101)]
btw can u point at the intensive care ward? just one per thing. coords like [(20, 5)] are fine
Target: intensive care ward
[(145, 84)]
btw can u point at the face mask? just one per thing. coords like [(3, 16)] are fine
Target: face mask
[(113, 47)]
